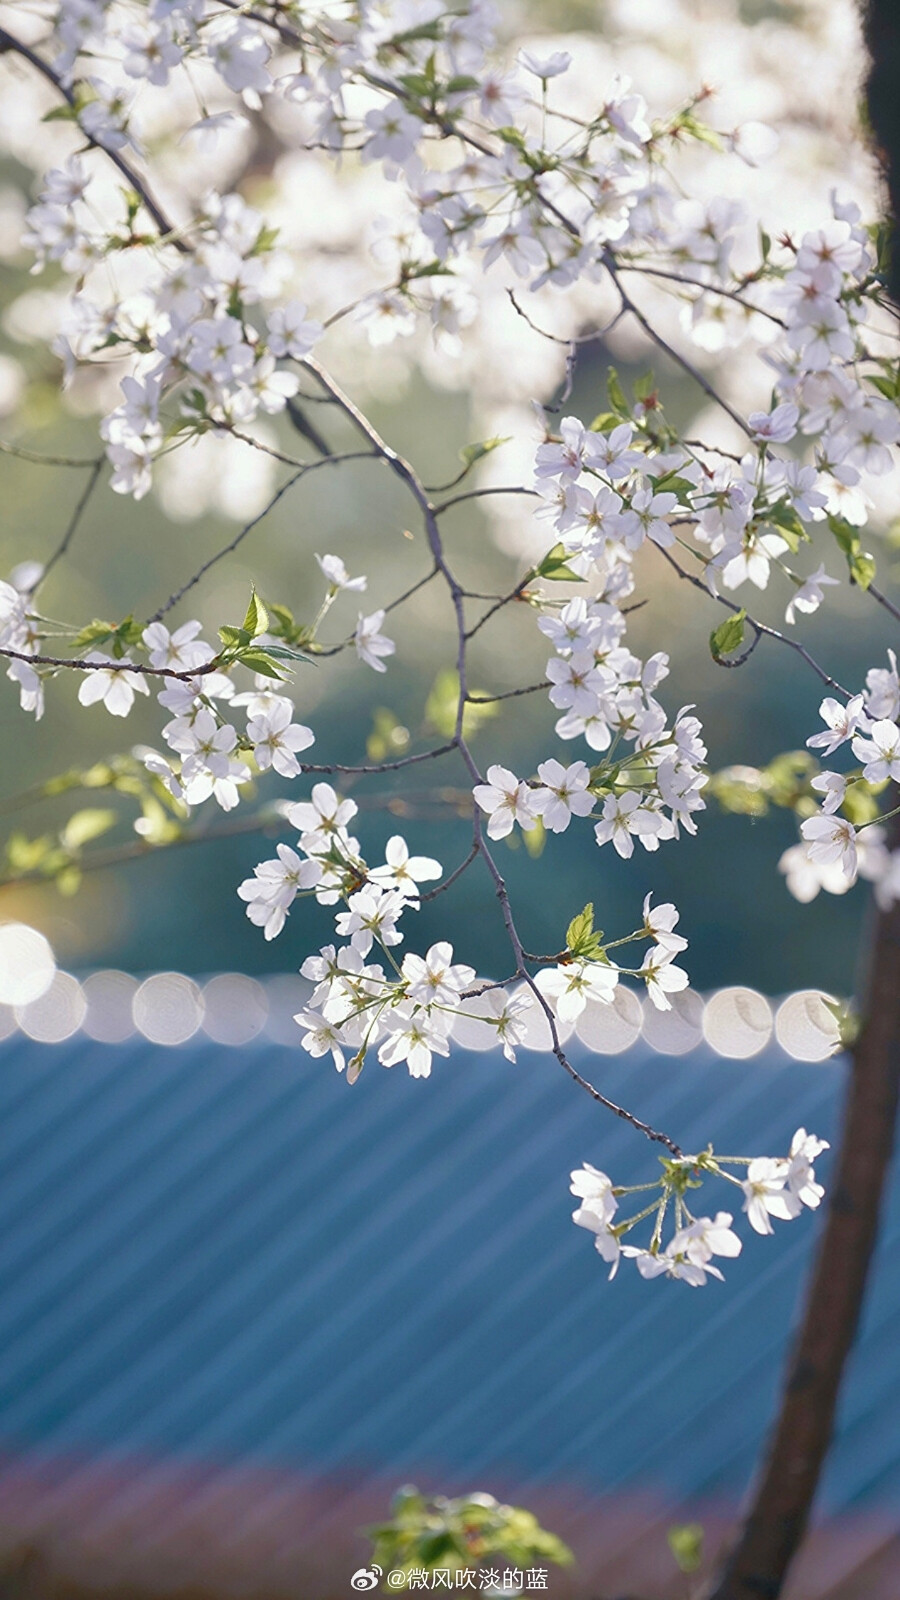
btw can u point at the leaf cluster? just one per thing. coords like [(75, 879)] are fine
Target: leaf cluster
[(453, 1534)]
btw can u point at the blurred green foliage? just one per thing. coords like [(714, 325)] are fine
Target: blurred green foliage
[(473, 1531)]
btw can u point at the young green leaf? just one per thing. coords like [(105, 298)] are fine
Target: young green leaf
[(256, 621), (582, 940), (728, 636), (555, 567)]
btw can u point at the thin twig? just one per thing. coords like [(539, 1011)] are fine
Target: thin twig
[(509, 694), (373, 768), (72, 528), (226, 550), (478, 494), (758, 627), (687, 366), (432, 894), (7, 448), (697, 283), (884, 601)]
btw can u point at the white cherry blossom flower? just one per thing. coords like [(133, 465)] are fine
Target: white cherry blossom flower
[(276, 739), (371, 643), (569, 988), (842, 722), (882, 696), (659, 923), (623, 818), (833, 785), (404, 872), (433, 979), (506, 801), (290, 332), (662, 977), (831, 838), (337, 574), (414, 1036), (545, 67), (765, 1195), (564, 795), (879, 751), (373, 914), (109, 685), (810, 594), (774, 427)]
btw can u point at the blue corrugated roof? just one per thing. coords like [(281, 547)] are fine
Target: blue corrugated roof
[(222, 1255)]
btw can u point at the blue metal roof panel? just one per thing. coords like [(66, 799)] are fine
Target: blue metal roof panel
[(212, 1255)]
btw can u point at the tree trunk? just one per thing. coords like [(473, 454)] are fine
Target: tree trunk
[(782, 1499), (755, 1568)]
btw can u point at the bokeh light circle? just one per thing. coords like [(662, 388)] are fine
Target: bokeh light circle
[(26, 964), (56, 1014), (805, 1028), (167, 1008), (286, 994), (737, 1023), (470, 1031), (610, 1029), (536, 1033), (110, 997), (675, 1032), (235, 1008)]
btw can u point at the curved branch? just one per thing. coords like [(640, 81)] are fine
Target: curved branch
[(11, 45)]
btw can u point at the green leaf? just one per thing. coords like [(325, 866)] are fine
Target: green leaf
[(64, 113), (728, 636), (470, 453), (885, 386), (860, 562), (86, 825), (94, 633), (235, 638), (686, 1545), (118, 635), (555, 568), (256, 621), (617, 394), (260, 661), (582, 940), (672, 483), (286, 652), (265, 240), (788, 523), (416, 83)]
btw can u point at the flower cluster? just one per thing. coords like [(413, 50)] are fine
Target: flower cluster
[(842, 839), (774, 1187), (18, 633)]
